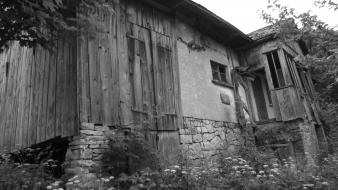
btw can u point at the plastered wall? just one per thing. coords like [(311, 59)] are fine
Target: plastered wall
[(200, 96)]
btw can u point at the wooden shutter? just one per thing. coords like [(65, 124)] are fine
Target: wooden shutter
[(164, 82), (140, 74)]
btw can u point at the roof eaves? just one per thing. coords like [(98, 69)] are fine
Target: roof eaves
[(217, 18)]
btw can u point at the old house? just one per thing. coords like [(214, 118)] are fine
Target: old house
[(283, 99), (185, 77)]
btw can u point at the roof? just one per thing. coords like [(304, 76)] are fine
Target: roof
[(203, 20), (270, 32), (264, 33)]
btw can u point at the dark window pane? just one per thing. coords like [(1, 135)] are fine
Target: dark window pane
[(272, 70), (219, 72), (279, 69), (215, 75), (223, 77)]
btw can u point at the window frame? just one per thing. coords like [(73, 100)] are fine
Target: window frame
[(220, 80), (275, 68)]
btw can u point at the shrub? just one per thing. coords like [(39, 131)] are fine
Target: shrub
[(129, 152)]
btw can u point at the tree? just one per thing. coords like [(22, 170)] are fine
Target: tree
[(38, 22), (322, 43)]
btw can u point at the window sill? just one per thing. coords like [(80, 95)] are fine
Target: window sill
[(222, 84)]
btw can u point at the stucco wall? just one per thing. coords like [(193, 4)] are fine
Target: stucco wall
[(200, 96)]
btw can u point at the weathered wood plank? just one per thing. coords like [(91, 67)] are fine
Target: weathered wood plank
[(15, 97), (137, 71), (115, 69), (50, 115), (95, 85), (176, 78), (149, 77), (59, 88), (31, 130), (124, 84), (46, 78), (22, 81), (74, 117), (27, 110), (105, 71), (39, 91), (156, 76)]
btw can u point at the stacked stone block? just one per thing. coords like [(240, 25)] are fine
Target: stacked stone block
[(85, 151), (203, 138)]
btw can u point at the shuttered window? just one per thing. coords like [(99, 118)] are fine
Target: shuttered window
[(275, 69), (219, 73)]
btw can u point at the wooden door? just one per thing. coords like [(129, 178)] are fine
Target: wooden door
[(152, 81), (153, 87), (260, 100)]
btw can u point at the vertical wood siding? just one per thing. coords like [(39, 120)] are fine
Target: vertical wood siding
[(37, 95), (123, 74), (98, 77)]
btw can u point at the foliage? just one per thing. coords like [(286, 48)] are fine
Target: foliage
[(322, 43), (234, 173), (21, 170), (39, 22), (129, 152), (250, 170)]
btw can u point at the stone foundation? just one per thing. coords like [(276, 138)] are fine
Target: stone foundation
[(85, 151), (199, 139), (202, 138), (297, 138)]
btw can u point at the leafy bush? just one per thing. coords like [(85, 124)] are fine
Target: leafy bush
[(19, 170), (129, 152)]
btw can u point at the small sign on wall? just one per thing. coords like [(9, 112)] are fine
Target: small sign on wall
[(225, 99)]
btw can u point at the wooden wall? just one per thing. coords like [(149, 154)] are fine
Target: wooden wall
[(97, 58), (128, 71), (123, 73), (37, 94)]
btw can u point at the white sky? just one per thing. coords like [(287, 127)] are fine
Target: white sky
[(243, 14)]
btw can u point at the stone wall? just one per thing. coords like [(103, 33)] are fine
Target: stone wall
[(85, 151), (203, 138), (199, 139)]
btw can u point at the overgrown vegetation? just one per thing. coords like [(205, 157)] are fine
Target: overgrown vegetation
[(249, 170), (39, 22), (322, 43)]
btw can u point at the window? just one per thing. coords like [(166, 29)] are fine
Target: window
[(219, 73), (275, 69)]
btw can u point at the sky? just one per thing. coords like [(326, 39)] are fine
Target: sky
[(243, 14)]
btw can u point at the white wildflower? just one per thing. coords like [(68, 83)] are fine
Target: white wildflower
[(325, 183), (69, 183), (308, 185), (49, 187)]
